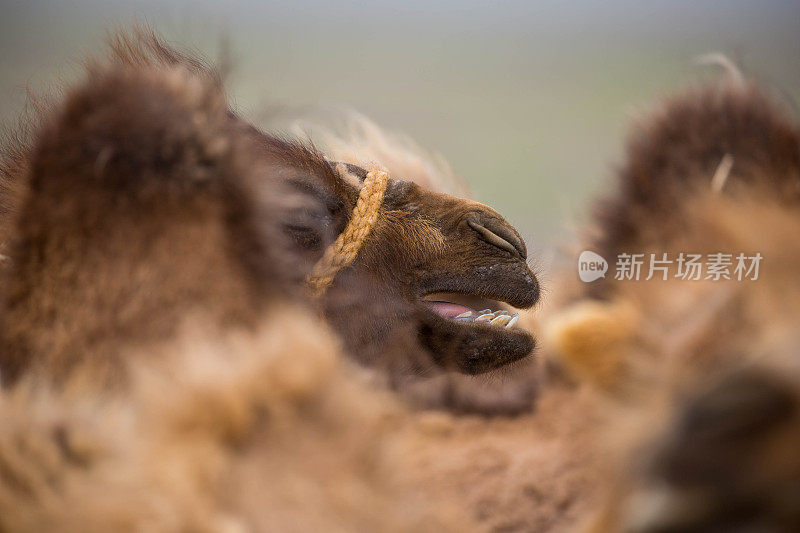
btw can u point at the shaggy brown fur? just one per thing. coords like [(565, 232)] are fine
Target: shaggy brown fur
[(221, 432), (706, 371), (532, 472), (673, 154), (147, 198), (123, 215), (239, 415)]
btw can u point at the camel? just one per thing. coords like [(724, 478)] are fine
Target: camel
[(158, 250), (174, 374), (185, 206)]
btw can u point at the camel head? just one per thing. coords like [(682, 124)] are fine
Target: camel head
[(148, 200), (444, 271)]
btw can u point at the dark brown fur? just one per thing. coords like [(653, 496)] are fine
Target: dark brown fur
[(424, 244)]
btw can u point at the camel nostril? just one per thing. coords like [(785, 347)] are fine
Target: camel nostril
[(500, 235)]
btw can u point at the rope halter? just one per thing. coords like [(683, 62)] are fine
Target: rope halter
[(344, 250)]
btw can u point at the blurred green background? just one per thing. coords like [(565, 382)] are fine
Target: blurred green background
[(527, 100)]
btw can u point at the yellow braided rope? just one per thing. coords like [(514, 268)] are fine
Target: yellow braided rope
[(344, 250)]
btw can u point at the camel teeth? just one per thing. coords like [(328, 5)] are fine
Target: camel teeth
[(465, 314), (484, 317), (501, 320), (485, 312), (513, 321), (501, 312)]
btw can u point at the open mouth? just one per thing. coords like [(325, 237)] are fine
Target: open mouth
[(468, 322), (472, 333), (471, 309)]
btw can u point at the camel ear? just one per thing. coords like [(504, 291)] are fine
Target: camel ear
[(350, 180)]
